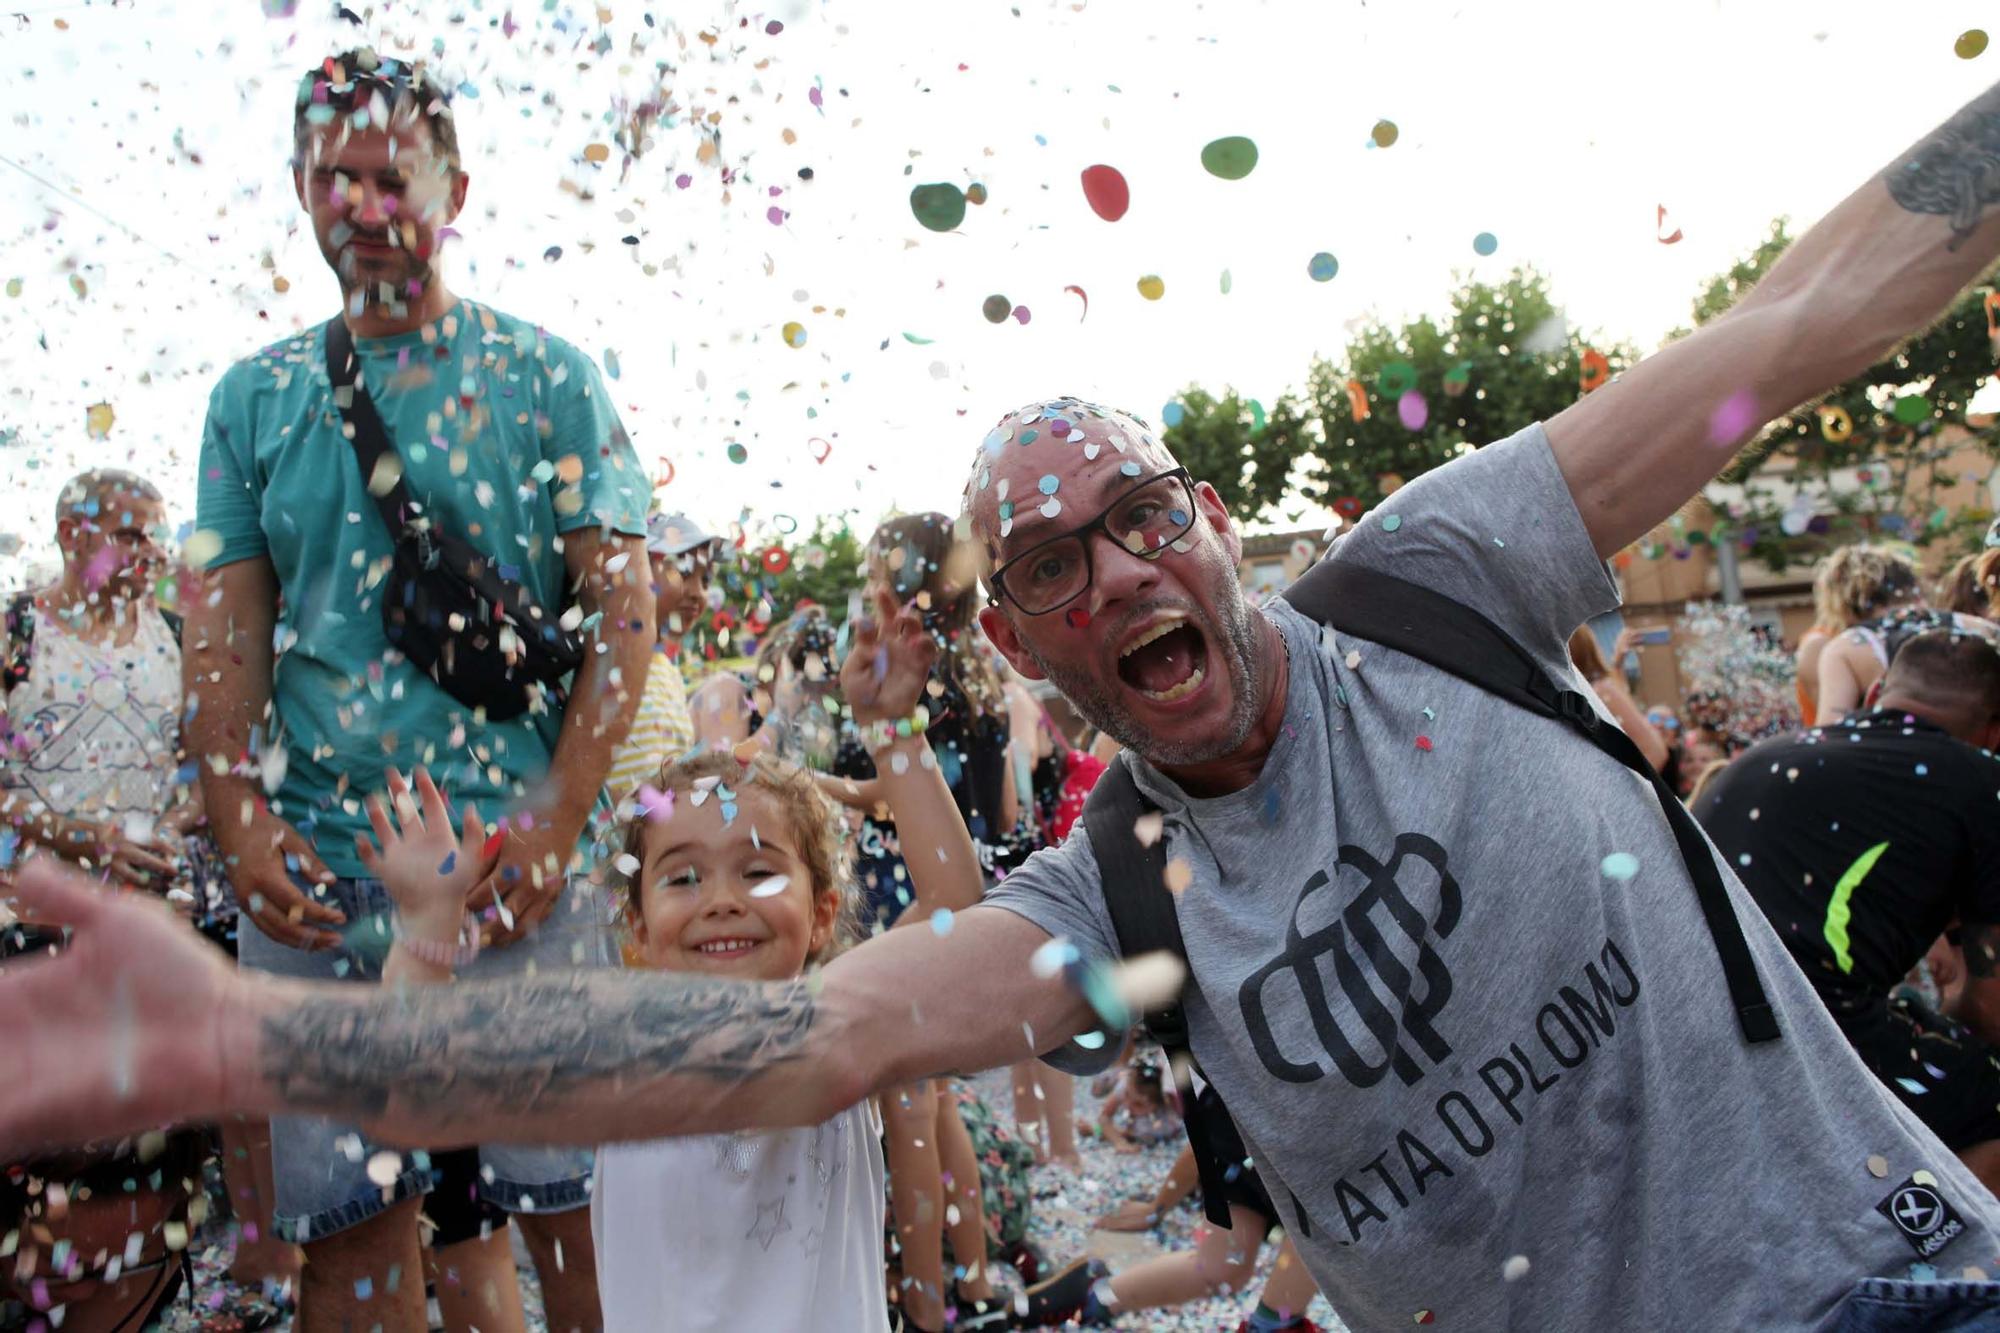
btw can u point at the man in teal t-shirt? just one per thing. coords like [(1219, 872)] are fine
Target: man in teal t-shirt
[(507, 439)]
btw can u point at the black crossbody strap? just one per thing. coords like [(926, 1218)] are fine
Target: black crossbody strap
[(368, 435), (1142, 912), (1395, 613)]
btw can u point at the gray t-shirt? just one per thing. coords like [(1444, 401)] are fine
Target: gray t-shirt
[(1452, 981)]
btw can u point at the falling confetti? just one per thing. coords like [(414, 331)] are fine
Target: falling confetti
[(1232, 158), (1595, 371), (1413, 411), (1170, 416), (1384, 133), (1151, 287), (794, 334), (1485, 243), (1082, 296), (1971, 44), (996, 309), (1322, 266), (738, 453), (1105, 190), (98, 420), (1660, 222), (940, 207)]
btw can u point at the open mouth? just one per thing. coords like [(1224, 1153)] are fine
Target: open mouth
[(1167, 662)]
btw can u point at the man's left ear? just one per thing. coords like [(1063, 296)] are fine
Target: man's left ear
[(1217, 514)]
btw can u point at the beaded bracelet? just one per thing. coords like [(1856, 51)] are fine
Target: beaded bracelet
[(879, 735), (441, 953)]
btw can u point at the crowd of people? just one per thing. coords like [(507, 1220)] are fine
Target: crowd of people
[(532, 931)]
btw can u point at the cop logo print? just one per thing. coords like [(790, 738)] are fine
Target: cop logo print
[(1368, 967), (1922, 1215)]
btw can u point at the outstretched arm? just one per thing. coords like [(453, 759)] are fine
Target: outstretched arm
[(176, 1035), (1876, 269)]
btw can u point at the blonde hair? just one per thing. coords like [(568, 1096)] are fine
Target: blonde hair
[(815, 826), (1857, 583), (946, 584), (1986, 574)]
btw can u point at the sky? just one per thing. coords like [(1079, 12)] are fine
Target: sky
[(149, 235)]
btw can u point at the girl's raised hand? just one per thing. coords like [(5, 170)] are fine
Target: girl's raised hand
[(426, 869), (888, 662)]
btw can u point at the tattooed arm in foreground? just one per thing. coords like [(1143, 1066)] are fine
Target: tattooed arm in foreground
[(141, 1023), (1876, 269)]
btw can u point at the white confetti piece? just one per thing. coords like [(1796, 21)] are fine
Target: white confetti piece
[(772, 887), (384, 1167)]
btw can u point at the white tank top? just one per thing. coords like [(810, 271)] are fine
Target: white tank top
[(780, 1230)]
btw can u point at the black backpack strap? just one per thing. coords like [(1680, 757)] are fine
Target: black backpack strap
[(1395, 613), (20, 642), (1142, 912), (364, 425)]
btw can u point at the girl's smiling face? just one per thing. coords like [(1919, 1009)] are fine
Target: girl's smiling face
[(730, 896)]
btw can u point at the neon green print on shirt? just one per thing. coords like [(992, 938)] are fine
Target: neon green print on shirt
[(1837, 913)]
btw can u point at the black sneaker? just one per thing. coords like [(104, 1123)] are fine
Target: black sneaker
[(969, 1315), (1060, 1297)]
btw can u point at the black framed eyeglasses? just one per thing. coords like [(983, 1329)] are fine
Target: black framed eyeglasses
[(1146, 520)]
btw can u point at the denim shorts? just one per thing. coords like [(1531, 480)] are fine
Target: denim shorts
[(1895, 1305), (320, 1164)]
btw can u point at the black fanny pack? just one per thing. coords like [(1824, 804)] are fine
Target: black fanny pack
[(445, 607)]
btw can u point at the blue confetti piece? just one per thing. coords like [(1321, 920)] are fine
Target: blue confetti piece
[(1620, 866), (1390, 522), (1911, 1086), (364, 1287), (450, 860), (1129, 469), (941, 921), (1049, 483)]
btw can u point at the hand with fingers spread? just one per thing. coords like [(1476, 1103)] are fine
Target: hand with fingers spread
[(121, 1028), (427, 869), (888, 663), (268, 862)]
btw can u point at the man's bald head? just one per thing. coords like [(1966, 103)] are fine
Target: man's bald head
[(1153, 643), (1066, 438)]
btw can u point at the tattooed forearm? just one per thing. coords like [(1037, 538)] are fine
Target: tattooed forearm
[(566, 1045), (1956, 171)]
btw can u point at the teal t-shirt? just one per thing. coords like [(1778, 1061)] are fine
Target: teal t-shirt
[(507, 439)]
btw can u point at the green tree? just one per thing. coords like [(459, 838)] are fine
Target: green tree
[(1502, 357), (824, 567), (1878, 433), (1235, 446)]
